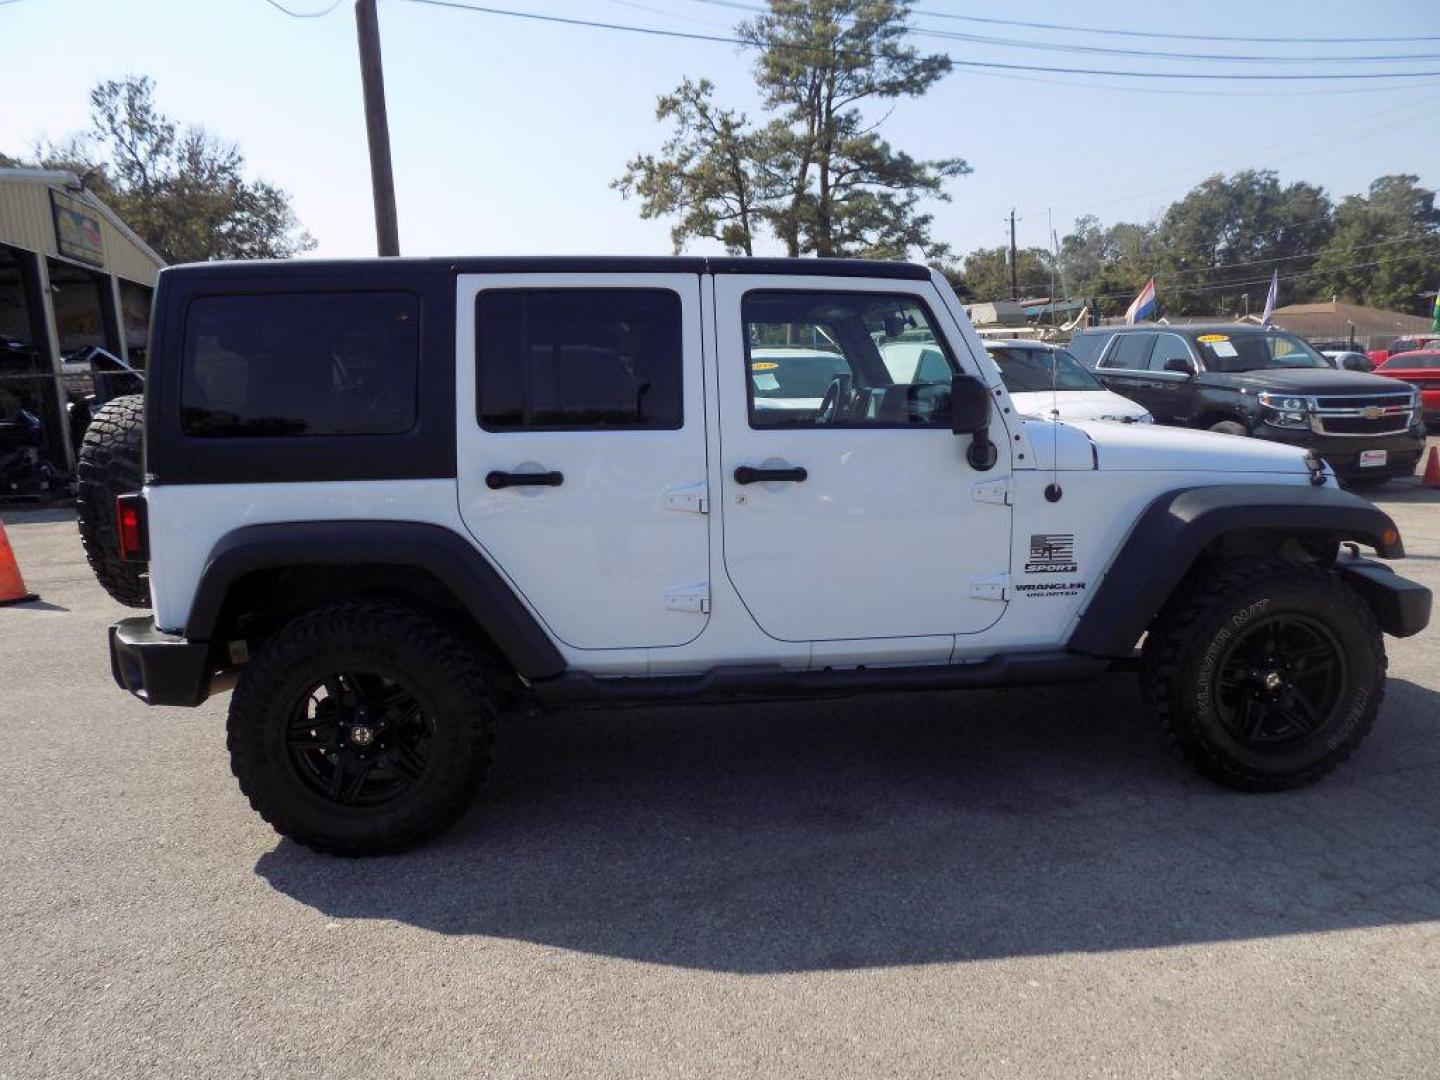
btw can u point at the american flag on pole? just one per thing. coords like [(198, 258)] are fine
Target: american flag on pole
[(1143, 306), (1271, 297)]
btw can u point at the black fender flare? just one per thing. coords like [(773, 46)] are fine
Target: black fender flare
[(452, 559), (1177, 526)]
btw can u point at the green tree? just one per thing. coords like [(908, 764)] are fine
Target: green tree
[(986, 273), (1109, 265), (704, 174), (1385, 250), (183, 190), (817, 175), (1228, 233)]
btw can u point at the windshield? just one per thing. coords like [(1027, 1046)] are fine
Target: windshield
[(794, 373), (1257, 350), (1025, 370)]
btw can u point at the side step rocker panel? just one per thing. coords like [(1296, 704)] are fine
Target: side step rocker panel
[(771, 682)]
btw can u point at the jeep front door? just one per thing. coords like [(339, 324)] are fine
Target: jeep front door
[(849, 509)]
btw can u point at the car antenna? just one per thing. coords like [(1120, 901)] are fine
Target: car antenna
[(1053, 490)]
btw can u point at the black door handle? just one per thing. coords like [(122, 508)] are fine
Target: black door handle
[(497, 480), (747, 474)]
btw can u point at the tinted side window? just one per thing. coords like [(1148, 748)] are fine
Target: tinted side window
[(568, 359), (1087, 348), (1169, 347), (1129, 352), (300, 364)]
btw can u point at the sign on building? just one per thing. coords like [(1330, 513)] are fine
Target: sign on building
[(77, 232)]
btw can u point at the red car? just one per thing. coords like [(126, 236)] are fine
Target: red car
[(1421, 370), (1411, 343)]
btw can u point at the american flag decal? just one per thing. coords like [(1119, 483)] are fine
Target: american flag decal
[(1051, 553)]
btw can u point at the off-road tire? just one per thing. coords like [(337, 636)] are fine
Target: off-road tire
[(1215, 606), (1229, 427), (368, 635), (109, 465)]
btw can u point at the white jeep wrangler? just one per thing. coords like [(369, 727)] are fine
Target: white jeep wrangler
[(387, 500)]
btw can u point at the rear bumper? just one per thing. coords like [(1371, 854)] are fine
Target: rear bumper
[(161, 668), (1401, 606)]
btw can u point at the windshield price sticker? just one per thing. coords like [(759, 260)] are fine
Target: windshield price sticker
[(1210, 339), (764, 365), (1222, 348)]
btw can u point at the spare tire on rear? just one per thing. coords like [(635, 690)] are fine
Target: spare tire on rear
[(110, 465)]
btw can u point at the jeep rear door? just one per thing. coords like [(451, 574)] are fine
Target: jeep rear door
[(849, 510), (580, 431)]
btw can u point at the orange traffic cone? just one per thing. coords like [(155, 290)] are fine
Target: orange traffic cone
[(1431, 478), (12, 585)]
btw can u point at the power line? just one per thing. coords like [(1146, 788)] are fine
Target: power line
[(1267, 92), (1111, 50), (1221, 267), (303, 14), (1367, 130), (1162, 54), (1247, 39), (1181, 287), (687, 35)]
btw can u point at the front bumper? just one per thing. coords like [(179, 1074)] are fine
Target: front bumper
[(1342, 452), (1401, 606), (161, 668)]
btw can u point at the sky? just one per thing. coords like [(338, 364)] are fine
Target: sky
[(506, 132)]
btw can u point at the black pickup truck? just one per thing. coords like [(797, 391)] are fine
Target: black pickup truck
[(1242, 379)]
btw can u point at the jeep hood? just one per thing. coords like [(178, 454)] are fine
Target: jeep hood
[(1153, 448), (1307, 381)]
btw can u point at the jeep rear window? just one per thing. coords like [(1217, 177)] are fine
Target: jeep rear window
[(578, 359), (286, 364)]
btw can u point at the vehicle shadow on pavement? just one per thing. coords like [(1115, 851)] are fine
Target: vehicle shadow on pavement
[(901, 830)]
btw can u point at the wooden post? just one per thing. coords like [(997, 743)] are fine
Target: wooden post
[(1014, 260), (377, 127)]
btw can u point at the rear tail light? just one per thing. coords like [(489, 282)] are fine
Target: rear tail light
[(132, 524)]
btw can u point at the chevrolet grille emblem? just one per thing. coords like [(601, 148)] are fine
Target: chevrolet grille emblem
[(1373, 412)]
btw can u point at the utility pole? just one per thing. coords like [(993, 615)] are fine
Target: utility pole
[(377, 127), (1014, 261)]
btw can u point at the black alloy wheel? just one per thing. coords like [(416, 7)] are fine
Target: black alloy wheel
[(360, 738), (1279, 681)]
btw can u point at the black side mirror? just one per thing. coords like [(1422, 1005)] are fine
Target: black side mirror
[(1180, 364), (970, 415)]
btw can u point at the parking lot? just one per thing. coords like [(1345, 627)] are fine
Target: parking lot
[(1011, 883)]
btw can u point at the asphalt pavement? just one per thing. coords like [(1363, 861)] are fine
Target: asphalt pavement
[(1016, 883)]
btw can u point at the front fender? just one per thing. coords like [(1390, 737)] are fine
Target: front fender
[(1179, 525)]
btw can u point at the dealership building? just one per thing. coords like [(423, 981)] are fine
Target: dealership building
[(72, 275)]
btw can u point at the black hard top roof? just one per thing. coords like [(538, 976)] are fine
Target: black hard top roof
[(563, 264)]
